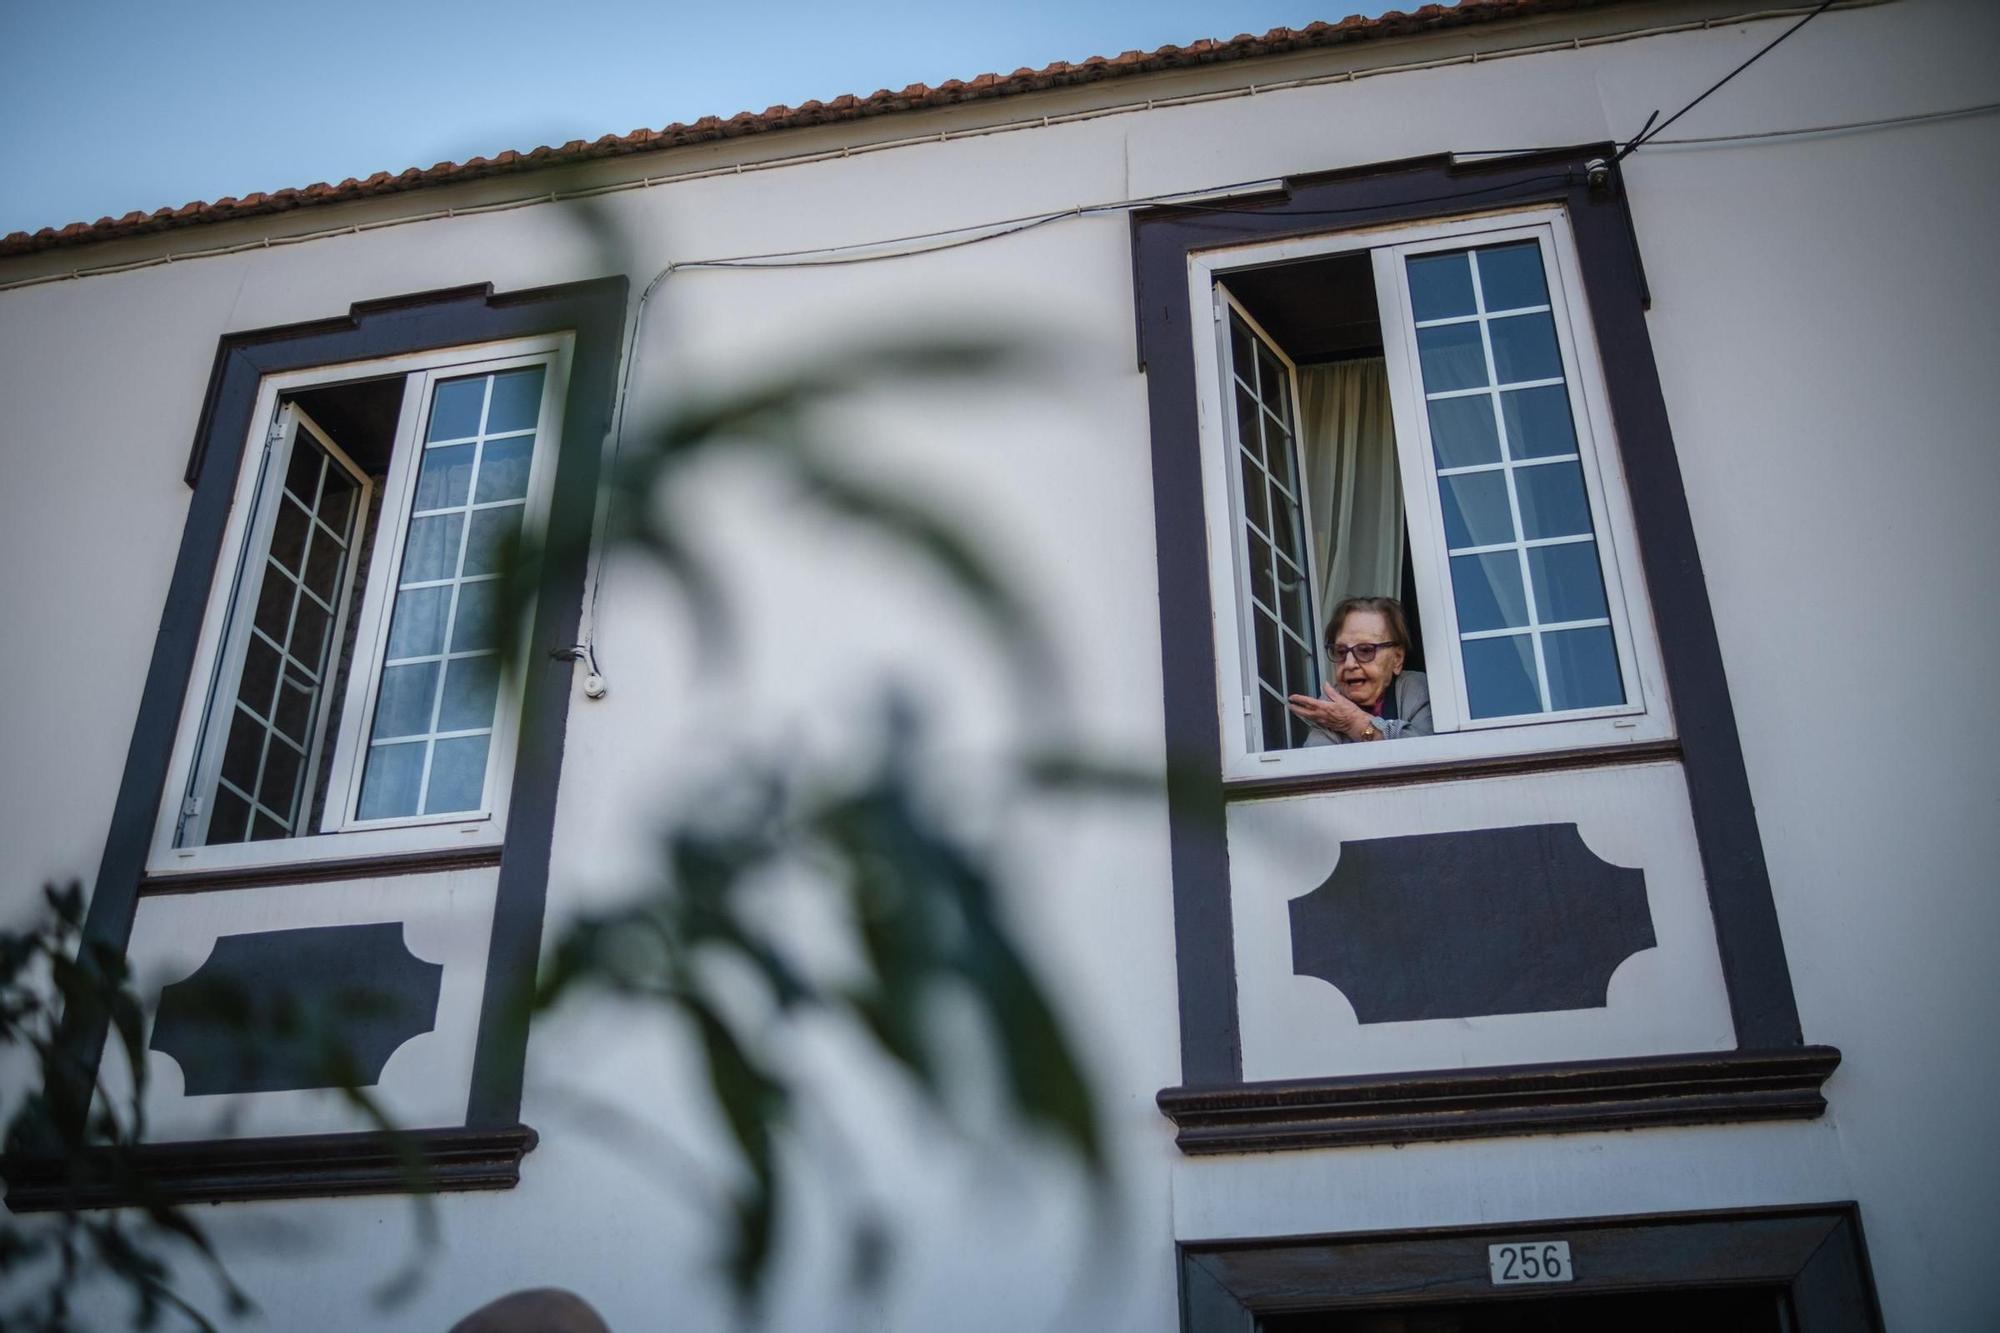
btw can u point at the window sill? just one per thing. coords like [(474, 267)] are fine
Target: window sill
[(297, 1167), (323, 872), (1449, 770), (322, 856), (1715, 1088), (1525, 744)]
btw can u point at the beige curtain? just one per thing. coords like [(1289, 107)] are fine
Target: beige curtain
[(1349, 444)]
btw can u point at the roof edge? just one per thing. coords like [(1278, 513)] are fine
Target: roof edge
[(847, 108)]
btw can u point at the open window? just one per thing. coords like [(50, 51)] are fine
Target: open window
[(1418, 413), (347, 697)]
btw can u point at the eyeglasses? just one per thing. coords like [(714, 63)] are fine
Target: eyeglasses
[(1364, 653)]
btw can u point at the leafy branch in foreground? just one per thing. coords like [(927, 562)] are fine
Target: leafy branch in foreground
[(46, 971), (925, 912), (922, 902), (83, 1147)]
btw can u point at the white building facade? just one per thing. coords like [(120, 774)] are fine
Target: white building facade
[(1656, 973)]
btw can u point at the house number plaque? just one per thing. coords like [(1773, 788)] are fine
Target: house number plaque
[(1529, 1261)]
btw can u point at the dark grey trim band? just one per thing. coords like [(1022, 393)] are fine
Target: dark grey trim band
[(1814, 1258), (1457, 770), (594, 312), (1567, 1098), (323, 872), (295, 1167), (1753, 957)]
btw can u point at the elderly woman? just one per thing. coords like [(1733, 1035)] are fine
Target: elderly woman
[(1371, 697)]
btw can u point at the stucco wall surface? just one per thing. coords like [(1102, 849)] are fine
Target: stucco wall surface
[(1822, 321)]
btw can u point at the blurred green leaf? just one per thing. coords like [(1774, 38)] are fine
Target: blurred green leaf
[(46, 962)]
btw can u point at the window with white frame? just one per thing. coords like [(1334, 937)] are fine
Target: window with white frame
[(1276, 559), (348, 697), (1417, 413)]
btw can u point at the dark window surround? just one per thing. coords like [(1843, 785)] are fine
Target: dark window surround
[(490, 1143), (1815, 1255), (1493, 1102), (301, 1166), (1755, 971)]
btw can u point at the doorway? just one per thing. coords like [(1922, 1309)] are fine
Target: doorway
[(1763, 1270)]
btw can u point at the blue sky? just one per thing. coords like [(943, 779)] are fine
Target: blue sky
[(113, 105)]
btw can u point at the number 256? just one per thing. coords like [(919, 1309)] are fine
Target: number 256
[(1532, 1262)]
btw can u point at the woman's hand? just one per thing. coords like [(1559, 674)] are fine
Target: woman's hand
[(1336, 713)]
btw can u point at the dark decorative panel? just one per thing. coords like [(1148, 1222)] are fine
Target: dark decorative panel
[(1453, 925), (286, 1009)]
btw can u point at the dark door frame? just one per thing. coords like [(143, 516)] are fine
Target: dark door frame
[(1814, 1254)]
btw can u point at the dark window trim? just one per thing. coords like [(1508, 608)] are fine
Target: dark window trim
[(1455, 770), (592, 311), (323, 872), (1816, 1255), (1568, 1097), (1755, 971), (298, 1166)]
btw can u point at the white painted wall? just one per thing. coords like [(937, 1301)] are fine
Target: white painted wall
[(1665, 1000), (445, 919), (1823, 326)]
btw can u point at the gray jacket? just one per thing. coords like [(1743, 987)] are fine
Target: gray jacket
[(1411, 695)]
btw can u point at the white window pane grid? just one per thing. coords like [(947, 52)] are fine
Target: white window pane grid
[(1487, 390), (276, 814), (1591, 679), (1274, 559), (442, 443), (377, 798), (1468, 468), (1533, 625)]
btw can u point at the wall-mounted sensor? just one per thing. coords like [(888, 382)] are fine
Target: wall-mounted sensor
[(594, 685)]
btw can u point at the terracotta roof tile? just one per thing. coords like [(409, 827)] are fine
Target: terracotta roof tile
[(846, 107)]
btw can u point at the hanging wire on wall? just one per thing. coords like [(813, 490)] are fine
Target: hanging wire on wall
[(953, 238)]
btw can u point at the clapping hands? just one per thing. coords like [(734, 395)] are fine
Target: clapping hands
[(1334, 712)]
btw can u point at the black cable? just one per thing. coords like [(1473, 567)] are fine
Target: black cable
[(1639, 139), (839, 255), (1520, 184), (828, 258), (1796, 131), (1842, 127)]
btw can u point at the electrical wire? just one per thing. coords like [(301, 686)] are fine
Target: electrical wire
[(834, 256), (1645, 133), (953, 238), (1837, 127), (919, 244), (958, 237), (1915, 117), (1697, 141), (1502, 188), (949, 238)]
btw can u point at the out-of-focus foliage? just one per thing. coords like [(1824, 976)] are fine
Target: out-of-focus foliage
[(48, 970), (926, 912), (924, 901)]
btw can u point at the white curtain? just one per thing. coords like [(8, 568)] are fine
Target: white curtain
[(1356, 492)]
